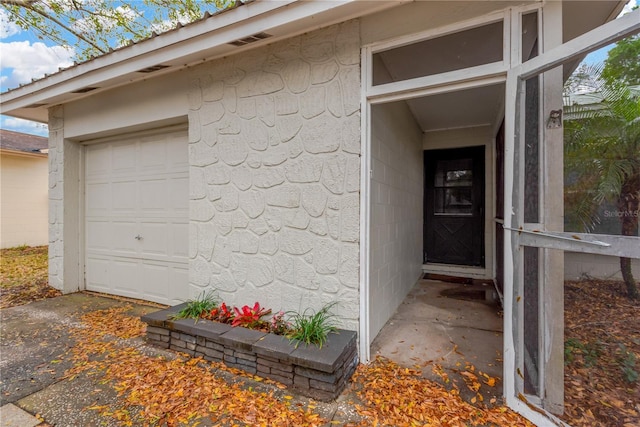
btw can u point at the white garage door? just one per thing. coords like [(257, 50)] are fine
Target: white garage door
[(136, 211)]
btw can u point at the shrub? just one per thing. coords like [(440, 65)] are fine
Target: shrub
[(250, 317), (308, 328), (195, 308), (312, 328)]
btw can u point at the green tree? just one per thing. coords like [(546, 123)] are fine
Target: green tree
[(623, 62), (602, 155), (94, 27)]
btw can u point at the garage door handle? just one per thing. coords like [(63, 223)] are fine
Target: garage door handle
[(138, 237)]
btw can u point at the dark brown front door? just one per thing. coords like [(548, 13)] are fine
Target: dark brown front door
[(454, 206)]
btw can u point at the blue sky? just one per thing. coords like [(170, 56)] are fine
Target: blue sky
[(25, 57)]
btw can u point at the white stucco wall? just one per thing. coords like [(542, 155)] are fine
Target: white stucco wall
[(397, 188), (23, 201), (579, 265), (154, 102), (274, 178)]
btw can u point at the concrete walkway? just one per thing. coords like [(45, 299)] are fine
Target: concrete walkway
[(431, 328)]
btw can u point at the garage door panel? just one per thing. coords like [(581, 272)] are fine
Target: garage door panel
[(124, 158), (154, 195), (138, 187), (178, 158), (98, 235), (179, 285), (179, 242), (154, 240), (123, 237), (154, 157), (124, 276), (157, 285), (179, 195), (98, 161), (124, 197), (97, 274), (98, 198)]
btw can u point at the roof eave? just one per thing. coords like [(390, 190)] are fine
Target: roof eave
[(19, 153), (203, 40)]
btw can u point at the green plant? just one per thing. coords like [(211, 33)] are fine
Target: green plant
[(628, 361), (195, 308), (312, 328), (570, 347), (590, 351)]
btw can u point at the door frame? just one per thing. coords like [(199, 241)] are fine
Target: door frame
[(485, 75), (519, 234)]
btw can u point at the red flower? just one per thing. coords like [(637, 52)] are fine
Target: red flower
[(248, 316)]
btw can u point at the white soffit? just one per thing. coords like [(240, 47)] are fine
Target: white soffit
[(194, 43)]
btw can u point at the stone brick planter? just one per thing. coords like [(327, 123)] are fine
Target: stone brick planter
[(320, 373)]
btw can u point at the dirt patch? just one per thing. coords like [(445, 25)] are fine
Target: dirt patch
[(23, 276), (602, 355)]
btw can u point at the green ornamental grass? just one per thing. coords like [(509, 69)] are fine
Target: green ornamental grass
[(205, 302), (312, 328)]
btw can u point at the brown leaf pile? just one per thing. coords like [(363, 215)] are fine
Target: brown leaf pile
[(160, 391), (602, 331), (399, 397), (23, 276)]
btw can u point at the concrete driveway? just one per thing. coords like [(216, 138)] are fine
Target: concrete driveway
[(33, 360), (34, 345)]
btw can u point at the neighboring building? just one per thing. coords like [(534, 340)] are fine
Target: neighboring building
[(24, 187), (305, 152)]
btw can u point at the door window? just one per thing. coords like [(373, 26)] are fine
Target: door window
[(454, 187), (464, 49)]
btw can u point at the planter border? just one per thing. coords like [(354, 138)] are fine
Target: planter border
[(320, 373)]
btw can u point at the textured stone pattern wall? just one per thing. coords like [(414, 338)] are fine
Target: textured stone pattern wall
[(64, 207), (396, 209), (275, 174), (272, 360), (56, 203)]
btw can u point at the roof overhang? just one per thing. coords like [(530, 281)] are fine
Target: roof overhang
[(214, 37), (201, 41), (18, 153)]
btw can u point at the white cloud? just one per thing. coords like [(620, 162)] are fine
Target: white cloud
[(169, 24), (87, 26), (27, 61), (628, 7), (7, 28), (24, 126)]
